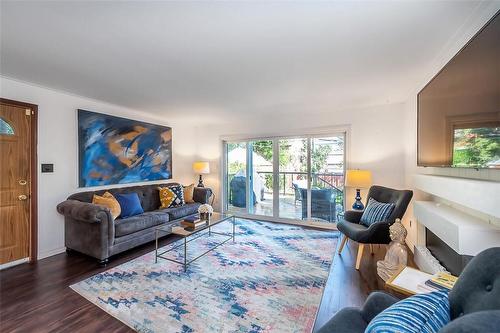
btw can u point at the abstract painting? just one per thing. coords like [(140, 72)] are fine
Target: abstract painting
[(114, 150)]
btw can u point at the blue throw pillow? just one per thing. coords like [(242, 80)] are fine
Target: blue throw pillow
[(130, 204), (422, 313), (376, 212)]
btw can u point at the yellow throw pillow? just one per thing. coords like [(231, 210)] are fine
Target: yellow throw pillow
[(109, 201), (188, 193)]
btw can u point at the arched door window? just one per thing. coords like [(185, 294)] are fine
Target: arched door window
[(5, 127)]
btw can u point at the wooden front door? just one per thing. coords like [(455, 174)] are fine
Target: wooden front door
[(15, 182)]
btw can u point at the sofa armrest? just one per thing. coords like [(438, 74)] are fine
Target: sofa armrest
[(202, 194), (376, 302), (83, 211), (355, 320), (88, 228), (476, 322), (353, 216)]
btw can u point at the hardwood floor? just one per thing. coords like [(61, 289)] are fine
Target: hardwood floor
[(36, 297)]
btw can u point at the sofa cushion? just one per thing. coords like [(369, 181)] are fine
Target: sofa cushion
[(130, 204), (171, 196), (109, 201), (135, 223), (188, 193), (182, 211), (148, 194)]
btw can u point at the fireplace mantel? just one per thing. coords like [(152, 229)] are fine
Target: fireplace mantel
[(465, 234), (479, 195)]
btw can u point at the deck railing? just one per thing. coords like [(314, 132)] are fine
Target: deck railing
[(287, 178), (318, 180)]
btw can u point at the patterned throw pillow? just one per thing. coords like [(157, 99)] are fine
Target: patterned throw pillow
[(171, 196), (109, 201), (422, 313), (188, 193), (376, 212)]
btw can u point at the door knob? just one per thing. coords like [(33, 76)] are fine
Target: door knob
[(23, 197)]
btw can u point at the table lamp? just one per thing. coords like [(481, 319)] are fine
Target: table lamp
[(358, 179), (202, 168)]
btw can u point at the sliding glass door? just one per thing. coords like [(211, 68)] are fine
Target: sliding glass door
[(286, 178), (293, 177)]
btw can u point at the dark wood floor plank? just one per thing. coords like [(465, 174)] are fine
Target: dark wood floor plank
[(37, 297)]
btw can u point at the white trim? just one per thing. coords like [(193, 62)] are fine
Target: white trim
[(222, 177), (309, 173), (276, 180), (14, 263), (50, 253), (308, 132), (302, 223), (304, 133)]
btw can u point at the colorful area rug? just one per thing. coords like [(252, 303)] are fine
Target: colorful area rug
[(270, 280)]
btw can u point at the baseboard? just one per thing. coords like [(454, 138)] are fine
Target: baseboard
[(14, 263), (51, 253)]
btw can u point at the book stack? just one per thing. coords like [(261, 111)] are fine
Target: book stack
[(193, 222), (439, 281)]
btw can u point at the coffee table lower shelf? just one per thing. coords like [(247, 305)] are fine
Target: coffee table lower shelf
[(200, 233)]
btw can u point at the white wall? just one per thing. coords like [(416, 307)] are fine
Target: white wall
[(57, 144), (375, 140)]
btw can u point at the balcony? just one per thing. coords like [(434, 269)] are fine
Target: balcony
[(326, 201)]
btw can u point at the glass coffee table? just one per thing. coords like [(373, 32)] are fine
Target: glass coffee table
[(185, 233)]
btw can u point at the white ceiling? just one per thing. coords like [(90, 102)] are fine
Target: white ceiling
[(186, 58)]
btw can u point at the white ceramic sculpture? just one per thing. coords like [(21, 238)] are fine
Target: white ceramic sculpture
[(397, 253)]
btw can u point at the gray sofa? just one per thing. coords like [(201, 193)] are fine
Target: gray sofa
[(90, 229), (474, 301)]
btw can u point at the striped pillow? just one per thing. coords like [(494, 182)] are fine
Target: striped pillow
[(422, 313), (376, 212)]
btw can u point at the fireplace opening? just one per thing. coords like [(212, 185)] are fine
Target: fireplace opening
[(451, 260)]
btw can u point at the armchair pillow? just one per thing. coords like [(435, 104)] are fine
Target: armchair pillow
[(171, 196), (376, 212), (109, 201), (422, 313), (129, 204)]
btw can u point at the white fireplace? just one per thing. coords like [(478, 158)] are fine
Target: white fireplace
[(463, 213)]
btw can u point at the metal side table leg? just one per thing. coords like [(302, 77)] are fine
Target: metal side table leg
[(185, 255), (156, 246)]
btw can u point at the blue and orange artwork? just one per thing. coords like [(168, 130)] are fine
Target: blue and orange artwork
[(114, 150)]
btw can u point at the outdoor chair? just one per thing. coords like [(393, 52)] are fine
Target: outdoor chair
[(322, 203)]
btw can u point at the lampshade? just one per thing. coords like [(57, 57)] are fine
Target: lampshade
[(358, 178), (201, 168)]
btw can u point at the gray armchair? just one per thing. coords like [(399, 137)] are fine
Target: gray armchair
[(378, 232), (474, 301)]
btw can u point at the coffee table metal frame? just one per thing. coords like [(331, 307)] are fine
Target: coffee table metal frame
[(198, 233)]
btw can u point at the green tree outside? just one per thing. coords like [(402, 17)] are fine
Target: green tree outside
[(476, 146)]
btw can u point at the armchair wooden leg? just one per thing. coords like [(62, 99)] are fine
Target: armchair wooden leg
[(342, 243), (371, 249), (361, 247)]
